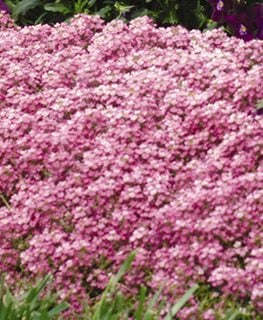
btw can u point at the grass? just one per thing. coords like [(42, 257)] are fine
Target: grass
[(113, 305)]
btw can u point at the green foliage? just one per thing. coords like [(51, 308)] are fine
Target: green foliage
[(181, 302), (4, 201), (113, 305), (260, 104), (29, 306), (191, 14), (209, 298)]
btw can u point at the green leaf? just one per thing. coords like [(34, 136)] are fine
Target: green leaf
[(8, 298), (40, 316), (7, 312), (104, 11), (103, 305), (80, 5), (119, 301), (32, 295), (149, 312), (24, 6), (59, 308), (259, 104), (141, 12), (142, 298), (91, 3), (200, 15), (171, 18), (39, 19), (181, 302), (231, 315), (122, 8), (28, 306), (210, 25), (57, 7), (149, 315), (123, 269), (2, 197)]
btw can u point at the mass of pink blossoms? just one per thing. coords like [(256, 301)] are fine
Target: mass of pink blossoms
[(115, 137)]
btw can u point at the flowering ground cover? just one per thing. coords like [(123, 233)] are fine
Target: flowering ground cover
[(115, 137)]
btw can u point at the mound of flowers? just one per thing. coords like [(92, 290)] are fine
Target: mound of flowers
[(115, 137)]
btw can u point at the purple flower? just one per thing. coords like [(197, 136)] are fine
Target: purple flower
[(220, 9), (246, 22), (220, 5), (4, 7), (240, 26), (242, 30)]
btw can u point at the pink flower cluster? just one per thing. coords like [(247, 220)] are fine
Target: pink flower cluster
[(115, 137)]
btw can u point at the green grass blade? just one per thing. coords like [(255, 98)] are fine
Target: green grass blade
[(232, 315), (35, 291), (142, 298), (149, 311), (102, 304), (40, 316), (58, 309), (119, 302), (149, 315), (8, 298), (181, 302), (123, 269)]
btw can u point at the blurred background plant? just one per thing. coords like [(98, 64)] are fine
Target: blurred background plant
[(241, 18), (29, 305), (191, 14)]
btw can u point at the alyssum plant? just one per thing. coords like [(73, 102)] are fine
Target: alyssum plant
[(115, 137)]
